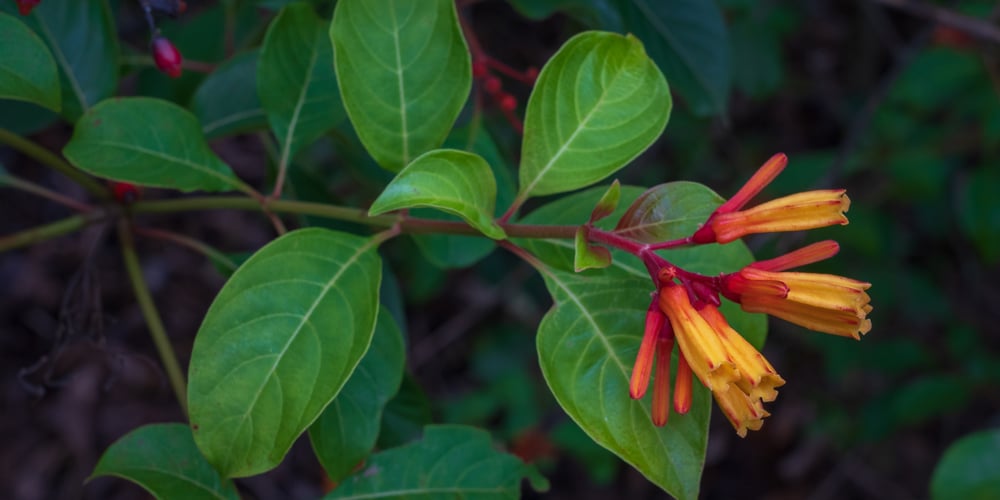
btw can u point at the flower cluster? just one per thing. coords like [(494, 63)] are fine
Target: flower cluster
[(685, 307)]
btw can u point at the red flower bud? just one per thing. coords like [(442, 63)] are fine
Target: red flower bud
[(508, 102), (125, 192), (166, 56), (492, 85), (25, 6), (479, 69)]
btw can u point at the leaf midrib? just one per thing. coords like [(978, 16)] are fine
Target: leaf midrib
[(293, 122)]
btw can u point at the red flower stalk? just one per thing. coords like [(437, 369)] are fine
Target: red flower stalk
[(167, 57)]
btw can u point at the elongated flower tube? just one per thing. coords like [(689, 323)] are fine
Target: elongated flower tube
[(643, 368), (758, 379), (808, 210), (821, 302), (702, 348)]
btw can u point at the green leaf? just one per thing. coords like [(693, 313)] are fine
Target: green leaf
[(668, 211), (277, 344), (457, 182), (608, 203), (295, 79), (346, 431), (593, 13), (598, 103), (82, 39), (405, 415), (27, 71), (226, 103), (969, 469), (404, 73), (149, 142), (587, 256), (688, 41), (163, 459), (456, 251), (587, 344), (451, 461), (979, 212)]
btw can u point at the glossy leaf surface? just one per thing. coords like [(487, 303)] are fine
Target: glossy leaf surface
[(226, 103), (150, 142), (689, 42), (404, 73), (454, 181), (346, 431), (598, 103), (278, 343), (27, 71), (587, 344), (295, 78), (163, 459), (450, 461)]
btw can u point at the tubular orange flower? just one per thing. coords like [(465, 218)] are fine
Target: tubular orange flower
[(758, 379), (820, 302), (704, 351), (743, 412), (644, 360), (683, 392), (661, 384), (809, 210)]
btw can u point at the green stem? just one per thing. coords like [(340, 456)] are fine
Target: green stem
[(49, 231), (48, 158), (188, 242), (153, 321), (31, 187)]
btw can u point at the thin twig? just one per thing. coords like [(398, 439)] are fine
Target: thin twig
[(53, 161), (969, 25), (49, 231), (186, 241), (31, 187)]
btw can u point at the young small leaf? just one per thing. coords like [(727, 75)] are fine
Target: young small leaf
[(587, 256), (279, 341), (598, 103), (404, 73), (295, 78), (27, 70), (608, 203), (163, 459), (346, 431), (586, 346), (150, 142), (226, 103), (451, 461), (457, 182)]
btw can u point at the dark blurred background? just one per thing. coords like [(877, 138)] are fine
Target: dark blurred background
[(897, 103)]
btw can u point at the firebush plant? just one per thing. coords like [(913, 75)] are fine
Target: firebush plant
[(650, 287)]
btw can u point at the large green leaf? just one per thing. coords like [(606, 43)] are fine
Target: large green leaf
[(404, 73), (587, 344), (27, 71), (279, 341), (598, 103), (593, 13), (455, 181), (82, 39), (163, 459), (346, 431), (150, 142), (969, 469), (451, 461), (295, 78), (688, 40), (226, 102)]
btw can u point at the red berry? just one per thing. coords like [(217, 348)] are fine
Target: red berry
[(479, 69), (125, 192), (493, 85), (25, 6), (166, 56), (508, 102)]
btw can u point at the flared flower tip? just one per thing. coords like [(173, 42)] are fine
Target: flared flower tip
[(743, 412), (797, 212)]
